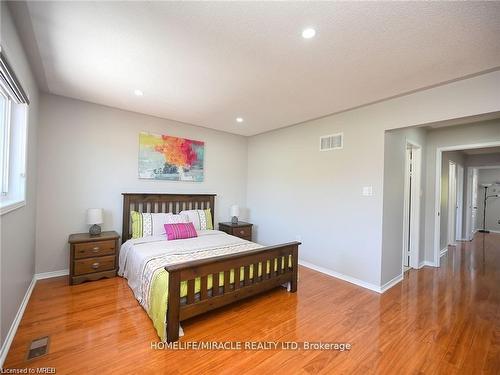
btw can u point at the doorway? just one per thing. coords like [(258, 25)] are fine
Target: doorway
[(438, 190), (412, 193), (475, 198)]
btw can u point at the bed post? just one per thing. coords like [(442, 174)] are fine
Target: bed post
[(295, 266), (173, 305), (126, 218)]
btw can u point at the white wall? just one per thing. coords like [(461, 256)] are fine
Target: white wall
[(293, 189), (17, 250), (480, 132), (483, 160), (88, 156), (394, 174), (296, 190), (488, 176)]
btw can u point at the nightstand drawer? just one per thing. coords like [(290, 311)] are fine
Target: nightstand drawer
[(242, 232), (96, 248), (241, 229), (97, 264)]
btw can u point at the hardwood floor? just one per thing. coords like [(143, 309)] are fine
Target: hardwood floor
[(437, 321)]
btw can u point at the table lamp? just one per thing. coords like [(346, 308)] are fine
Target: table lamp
[(94, 218), (235, 212)]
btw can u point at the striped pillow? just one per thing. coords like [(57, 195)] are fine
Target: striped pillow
[(152, 224), (202, 219), (180, 231)]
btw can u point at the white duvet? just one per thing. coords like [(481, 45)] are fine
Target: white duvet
[(135, 252)]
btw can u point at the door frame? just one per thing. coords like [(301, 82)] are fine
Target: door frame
[(414, 214), (468, 210), (459, 195), (437, 185), (451, 225)]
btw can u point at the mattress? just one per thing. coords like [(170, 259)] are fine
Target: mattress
[(135, 254)]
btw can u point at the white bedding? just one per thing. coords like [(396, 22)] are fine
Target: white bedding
[(135, 252)]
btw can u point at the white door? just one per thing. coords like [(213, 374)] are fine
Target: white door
[(452, 202), (474, 203), (459, 202)]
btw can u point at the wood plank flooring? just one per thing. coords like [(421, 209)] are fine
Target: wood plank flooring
[(437, 321)]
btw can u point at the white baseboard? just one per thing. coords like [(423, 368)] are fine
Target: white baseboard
[(48, 275), (388, 285), (492, 231), (349, 279), (20, 312), (426, 263), (443, 251), (15, 323)]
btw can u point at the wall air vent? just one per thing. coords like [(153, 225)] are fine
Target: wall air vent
[(331, 142)]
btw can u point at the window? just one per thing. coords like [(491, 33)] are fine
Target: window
[(13, 123)]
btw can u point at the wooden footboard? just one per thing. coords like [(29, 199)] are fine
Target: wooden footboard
[(215, 297)]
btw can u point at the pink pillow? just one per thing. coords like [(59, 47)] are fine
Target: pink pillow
[(180, 231)]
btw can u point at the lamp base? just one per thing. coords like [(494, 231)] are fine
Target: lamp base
[(234, 220), (483, 231), (95, 230)]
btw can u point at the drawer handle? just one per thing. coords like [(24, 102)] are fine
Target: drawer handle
[(95, 249), (95, 265), (242, 232)]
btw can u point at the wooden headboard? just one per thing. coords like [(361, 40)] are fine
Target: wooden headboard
[(157, 202)]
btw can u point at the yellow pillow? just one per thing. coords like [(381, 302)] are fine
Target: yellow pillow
[(136, 224), (208, 218)]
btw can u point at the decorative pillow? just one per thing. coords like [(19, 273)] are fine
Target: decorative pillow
[(152, 224), (202, 219), (176, 219), (180, 231)]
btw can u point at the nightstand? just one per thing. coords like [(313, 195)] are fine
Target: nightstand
[(242, 229), (93, 257)]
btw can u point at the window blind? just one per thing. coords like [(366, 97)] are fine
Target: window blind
[(9, 80)]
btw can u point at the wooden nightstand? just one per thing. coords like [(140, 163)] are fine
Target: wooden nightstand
[(242, 229), (93, 257)]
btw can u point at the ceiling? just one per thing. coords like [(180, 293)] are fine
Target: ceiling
[(485, 150), (206, 63)]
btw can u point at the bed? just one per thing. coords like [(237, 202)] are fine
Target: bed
[(200, 274)]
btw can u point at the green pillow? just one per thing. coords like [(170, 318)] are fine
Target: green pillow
[(208, 218), (136, 224)]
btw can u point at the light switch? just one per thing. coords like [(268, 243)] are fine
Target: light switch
[(367, 191)]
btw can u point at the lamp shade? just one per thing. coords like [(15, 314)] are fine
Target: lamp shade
[(235, 210), (94, 216)]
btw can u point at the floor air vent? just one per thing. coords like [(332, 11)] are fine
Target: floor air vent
[(38, 347)]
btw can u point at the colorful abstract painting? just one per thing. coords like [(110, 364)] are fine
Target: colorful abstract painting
[(163, 157)]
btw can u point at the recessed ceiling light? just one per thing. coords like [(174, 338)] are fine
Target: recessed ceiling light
[(239, 119), (308, 33), (138, 92)]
